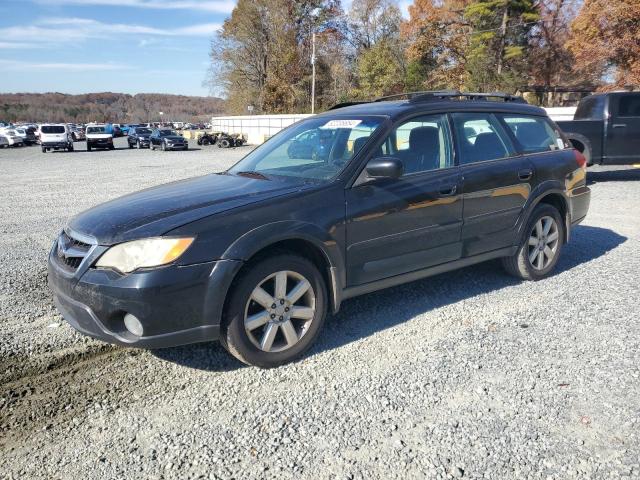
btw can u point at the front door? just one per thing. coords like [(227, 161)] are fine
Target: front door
[(623, 138), (407, 224)]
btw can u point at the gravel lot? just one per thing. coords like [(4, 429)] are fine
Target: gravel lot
[(469, 374)]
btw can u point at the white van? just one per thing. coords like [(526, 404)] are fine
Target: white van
[(56, 137)]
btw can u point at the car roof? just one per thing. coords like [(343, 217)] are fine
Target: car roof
[(401, 108)]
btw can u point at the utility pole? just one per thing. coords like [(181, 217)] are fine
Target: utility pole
[(313, 72)]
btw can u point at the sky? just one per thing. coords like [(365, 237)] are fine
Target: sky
[(129, 46), (125, 46)]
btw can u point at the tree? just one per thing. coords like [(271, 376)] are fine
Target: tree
[(437, 36), (379, 72), (497, 55), (549, 59), (605, 41)]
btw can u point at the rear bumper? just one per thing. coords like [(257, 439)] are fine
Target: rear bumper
[(55, 144), (579, 202), (176, 305)]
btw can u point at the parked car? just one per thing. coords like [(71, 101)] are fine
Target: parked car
[(124, 129), (28, 137), (139, 137), (4, 141), (55, 137), (77, 133), (12, 137), (606, 128), (99, 136), (166, 139), (256, 256)]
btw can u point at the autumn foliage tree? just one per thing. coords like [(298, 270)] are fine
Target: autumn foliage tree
[(605, 41)]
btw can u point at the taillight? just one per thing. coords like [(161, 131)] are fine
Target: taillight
[(581, 160)]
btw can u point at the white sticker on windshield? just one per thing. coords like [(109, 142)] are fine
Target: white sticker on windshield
[(342, 124), (560, 143)]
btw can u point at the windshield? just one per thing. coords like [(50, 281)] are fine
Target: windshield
[(96, 130), (52, 129), (317, 148), (143, 130), (166, 133)]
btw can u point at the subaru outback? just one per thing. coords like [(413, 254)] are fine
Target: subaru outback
[(257, 255)]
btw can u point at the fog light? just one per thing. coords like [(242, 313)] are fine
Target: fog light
[(133, 324)]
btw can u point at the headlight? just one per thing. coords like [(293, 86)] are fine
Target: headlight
[(150, 252)]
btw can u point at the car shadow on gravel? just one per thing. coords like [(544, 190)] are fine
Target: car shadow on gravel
[(363, 316), (630, 174)]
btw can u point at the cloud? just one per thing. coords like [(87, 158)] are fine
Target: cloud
[(7, 45), (219, 6), (65, 30), (20, 66)]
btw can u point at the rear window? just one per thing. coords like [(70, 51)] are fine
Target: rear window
[(534, 134), (591, 108), (52, 129)]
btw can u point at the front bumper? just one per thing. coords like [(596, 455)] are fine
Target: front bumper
[(177, 146), (102, 143), (176, 305)]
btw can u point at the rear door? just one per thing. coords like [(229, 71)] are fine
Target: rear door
[(496, 182), (623, 129), (413, 222)]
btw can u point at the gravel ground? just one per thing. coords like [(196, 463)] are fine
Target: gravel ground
[(469, 374)]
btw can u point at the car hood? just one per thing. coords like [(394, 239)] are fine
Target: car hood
[(157, 210), (174, 138)]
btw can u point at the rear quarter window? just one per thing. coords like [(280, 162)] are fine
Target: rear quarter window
[(534, 134)]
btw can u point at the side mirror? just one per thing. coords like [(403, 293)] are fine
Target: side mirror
[(384, 168)]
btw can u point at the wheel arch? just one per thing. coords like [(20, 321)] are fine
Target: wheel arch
[(300, 238), (582, 144), (557, 199)]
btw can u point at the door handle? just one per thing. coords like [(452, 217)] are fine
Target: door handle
[(448, 191), (525, 174), (619, 125)]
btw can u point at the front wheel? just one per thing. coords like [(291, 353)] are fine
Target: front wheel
[(164, 147), (275, 312), (540, 247)]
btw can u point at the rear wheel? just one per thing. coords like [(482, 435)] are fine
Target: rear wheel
[(275, 311), (44, 150), (164, 147), (540, 247)]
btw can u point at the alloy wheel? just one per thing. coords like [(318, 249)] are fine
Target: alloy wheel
[(543, 243), (279, 311)]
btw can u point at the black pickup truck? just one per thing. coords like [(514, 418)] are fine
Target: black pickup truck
[(606, 128)]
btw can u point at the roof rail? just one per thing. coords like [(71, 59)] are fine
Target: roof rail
[(345, 104), (411, 95), (505, 97)]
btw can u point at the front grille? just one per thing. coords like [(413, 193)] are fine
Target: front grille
[(70, 251)]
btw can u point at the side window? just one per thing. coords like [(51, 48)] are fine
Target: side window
[(629, 106), (480, 138), (422, 143), (535, 134)]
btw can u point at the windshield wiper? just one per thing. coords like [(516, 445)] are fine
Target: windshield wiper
[(253, 174)]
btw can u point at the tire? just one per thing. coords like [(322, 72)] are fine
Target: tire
[(112, 147), (245, 344), (88, 147), (224, 143), (70, 148), (44, 150), (138, 146), (164, 147), (129, 144), (151, 146), (525, 264), (204, 141), (186, 147)]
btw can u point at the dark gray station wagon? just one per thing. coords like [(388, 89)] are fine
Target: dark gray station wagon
[(383, 193)]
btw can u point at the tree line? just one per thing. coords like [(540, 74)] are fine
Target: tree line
[(262, 55), (106, 107)]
